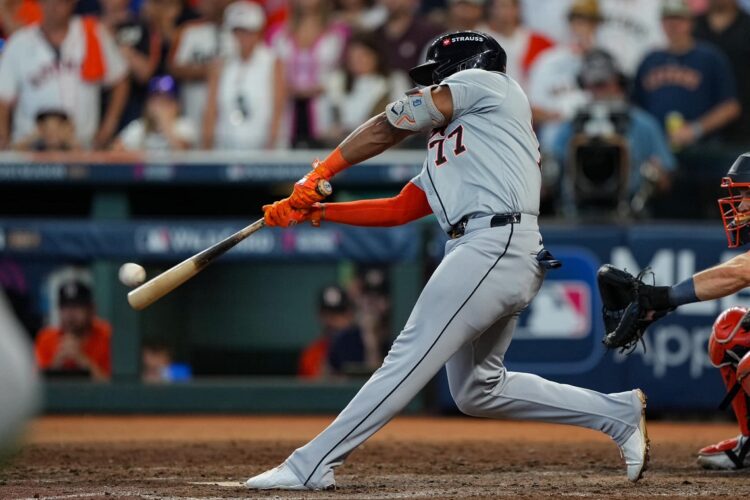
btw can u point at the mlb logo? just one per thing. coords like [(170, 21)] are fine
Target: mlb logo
[(153, 240), (561, 310), (446, 42)]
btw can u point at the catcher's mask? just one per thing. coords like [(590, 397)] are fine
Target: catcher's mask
[(735, 208), (454, 52)]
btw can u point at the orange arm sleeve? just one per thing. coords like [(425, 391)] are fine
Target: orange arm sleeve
[(410, 204)]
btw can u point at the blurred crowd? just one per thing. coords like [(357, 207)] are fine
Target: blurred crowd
[(235, 74)]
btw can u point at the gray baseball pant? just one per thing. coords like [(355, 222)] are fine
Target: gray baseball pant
[(465, 317)]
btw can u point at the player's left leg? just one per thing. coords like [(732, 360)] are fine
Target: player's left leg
[(481, 386)]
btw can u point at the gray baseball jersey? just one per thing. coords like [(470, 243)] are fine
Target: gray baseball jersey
[(485, 162)]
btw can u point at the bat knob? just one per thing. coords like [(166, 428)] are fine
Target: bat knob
[(324, 188)]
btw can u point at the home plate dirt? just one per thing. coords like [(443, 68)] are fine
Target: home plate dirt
[(210, 457)]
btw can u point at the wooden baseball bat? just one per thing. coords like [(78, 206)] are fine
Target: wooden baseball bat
[(159, 286)]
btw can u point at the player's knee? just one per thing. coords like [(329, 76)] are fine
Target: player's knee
[(468, 405)]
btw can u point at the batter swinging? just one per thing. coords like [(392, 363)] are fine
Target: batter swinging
[(482, 180)]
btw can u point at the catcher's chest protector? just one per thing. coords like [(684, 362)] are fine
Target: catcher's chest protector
[(729, 342)]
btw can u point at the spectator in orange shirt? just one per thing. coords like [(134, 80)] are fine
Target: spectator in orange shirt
[(339, 348), (81, 342)]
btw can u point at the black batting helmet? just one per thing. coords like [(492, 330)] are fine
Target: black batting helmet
[(454, 52)]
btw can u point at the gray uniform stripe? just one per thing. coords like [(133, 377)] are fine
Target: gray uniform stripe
[(505, 250)]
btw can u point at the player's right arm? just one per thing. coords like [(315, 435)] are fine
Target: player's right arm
[(418, 111), (9, 87), (391, 127)]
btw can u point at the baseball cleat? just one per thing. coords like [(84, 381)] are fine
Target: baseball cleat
[(282, 478), (730, 454), (636, 449)]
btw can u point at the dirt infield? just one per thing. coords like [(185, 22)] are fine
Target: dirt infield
[(207, 457)]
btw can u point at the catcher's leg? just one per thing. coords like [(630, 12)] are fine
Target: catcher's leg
[(485, 275), (481, 386), (733, 453)]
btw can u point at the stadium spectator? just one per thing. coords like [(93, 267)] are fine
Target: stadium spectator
[(311, 46), (139, 47), (62, 63), (54, 132), (689, 86), (197, 47), (360, 15), (554, 93), (464, 14), (405, 35), (246, 92), (161, 128), (728, 28), (360, 89), (81, 343), (522, 45), (649, 159), (340, 348)]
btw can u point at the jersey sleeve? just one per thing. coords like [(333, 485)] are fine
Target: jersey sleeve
[(476, 91), (9, 71)]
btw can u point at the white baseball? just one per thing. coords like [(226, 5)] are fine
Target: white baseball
[(132, 274)]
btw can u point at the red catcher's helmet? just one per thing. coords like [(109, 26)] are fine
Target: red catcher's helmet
[(730, 337), (735, 209)]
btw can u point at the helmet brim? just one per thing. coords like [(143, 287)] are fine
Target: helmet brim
[(422, 74)]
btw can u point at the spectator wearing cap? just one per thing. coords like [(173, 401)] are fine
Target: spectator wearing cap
[(339, 348), (196, 47), (246, 92), (689, 86), (81, 342), (554, 93), (648, 153), (162, 127), (54, 132), (405, 35), (521, 45), (727, 27), (465, 14)]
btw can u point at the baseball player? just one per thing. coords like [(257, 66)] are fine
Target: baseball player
[(729, 343), (481, 179)]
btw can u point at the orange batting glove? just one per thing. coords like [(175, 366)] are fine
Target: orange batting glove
[(282, 214), (305, 190)]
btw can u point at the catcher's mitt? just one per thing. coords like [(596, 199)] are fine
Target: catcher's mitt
[(629, 306)]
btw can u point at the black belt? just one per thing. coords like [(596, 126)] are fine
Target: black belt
[(459, 228)]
